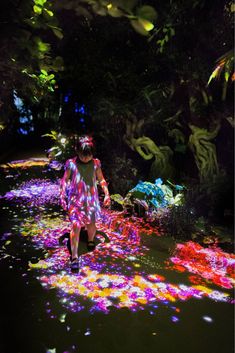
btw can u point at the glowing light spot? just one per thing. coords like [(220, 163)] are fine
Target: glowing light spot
[(174, 319), (87, 333), (207, 319), (62, 318)]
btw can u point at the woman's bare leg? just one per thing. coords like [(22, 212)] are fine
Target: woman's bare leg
[(91, 230), (74, 240)]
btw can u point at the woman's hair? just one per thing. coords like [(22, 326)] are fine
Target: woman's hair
[(85, 146)]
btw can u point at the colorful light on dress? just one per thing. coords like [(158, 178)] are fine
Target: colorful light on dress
[(82, 199)]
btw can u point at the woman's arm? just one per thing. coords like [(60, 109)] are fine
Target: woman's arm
[(63, 188), (104, 186)]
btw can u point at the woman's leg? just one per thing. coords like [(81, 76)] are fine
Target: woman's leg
[(91, 230), (74, 240)]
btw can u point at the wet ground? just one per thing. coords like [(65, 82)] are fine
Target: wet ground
[(137, 292)]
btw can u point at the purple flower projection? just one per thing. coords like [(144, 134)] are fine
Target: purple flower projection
[(35, 192), (120, 272), (114, 275)]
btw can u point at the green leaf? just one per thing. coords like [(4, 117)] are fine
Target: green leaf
[(213, 75), (148, 26), (48, 12), (226, 76), (43, 47), (138, 27), (37, 9), (57, 64), (59, 61), (44, 72), (58, 33), (117, 198), (115, 12), (147, 12), (40, 2)]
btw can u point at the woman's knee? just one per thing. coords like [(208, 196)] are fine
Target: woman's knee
[(76, 229), (91, 226)]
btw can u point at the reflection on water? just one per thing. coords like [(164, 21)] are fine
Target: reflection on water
[(127, 274)]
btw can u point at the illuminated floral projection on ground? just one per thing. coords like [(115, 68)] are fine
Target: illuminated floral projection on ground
[(26, 163), (120, 272)]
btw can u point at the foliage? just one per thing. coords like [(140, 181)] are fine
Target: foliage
[(164, 35), (122, 174), (177, 221), (151, 196), (157, 194), (225, 66), (63, 147), (141, 17), (204, 151), (213, 198), (159, 82), (27, 63)]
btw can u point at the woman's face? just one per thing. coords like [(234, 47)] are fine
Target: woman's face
[(85, 159)]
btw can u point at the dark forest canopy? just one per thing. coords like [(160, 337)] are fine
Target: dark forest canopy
[(141, 66), (101, 52)]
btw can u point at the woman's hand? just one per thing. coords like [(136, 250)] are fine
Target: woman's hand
[(64, 205), (107, 201)]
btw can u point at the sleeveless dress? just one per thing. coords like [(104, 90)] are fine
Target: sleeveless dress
[(81, 191)]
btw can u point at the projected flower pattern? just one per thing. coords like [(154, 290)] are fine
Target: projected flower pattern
[(212, 264), (115, 274)]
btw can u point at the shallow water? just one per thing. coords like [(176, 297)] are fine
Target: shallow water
[(137, 292)]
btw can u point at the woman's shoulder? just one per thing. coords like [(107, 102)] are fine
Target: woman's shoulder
[(70, 162), (97, 163)]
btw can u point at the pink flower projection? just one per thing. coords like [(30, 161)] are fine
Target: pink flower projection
[(212, 264), (114, 274), (118, 273)]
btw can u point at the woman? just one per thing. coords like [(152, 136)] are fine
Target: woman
[(79, 195)]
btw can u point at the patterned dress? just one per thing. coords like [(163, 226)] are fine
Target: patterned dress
[(80, 191)]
